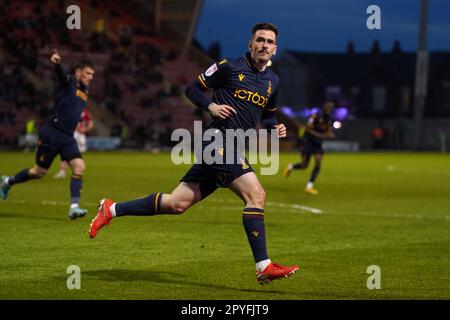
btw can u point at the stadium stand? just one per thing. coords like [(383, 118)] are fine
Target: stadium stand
[(140, 77)]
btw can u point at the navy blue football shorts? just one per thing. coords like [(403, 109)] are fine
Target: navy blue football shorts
[(51, 142), (217, 175), (309, 148)]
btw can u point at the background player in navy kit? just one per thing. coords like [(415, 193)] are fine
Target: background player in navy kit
[(319, 128), (244, 91), (56, 136), (86, 124)]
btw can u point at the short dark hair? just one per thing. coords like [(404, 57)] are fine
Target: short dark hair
[(265, 26), (85, 63)]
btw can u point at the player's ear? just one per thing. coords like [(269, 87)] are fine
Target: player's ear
[(275, 51), (250, 45)]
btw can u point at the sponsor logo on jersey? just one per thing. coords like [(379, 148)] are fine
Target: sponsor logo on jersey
[(269, 89), (211, 70), (250, 96), (244, 164)]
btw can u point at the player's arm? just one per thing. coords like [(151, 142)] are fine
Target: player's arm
[(212, 78), (87, 123), (330, 133), (310, 128), (269, 117), (60, 73), (88, 127)]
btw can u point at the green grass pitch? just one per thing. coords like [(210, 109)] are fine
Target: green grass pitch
[(386, 209)]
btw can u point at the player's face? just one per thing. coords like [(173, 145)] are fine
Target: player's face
[(263, 45), (85, 75)]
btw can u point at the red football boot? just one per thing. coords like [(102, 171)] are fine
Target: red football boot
[(102, 218), (275, 271)]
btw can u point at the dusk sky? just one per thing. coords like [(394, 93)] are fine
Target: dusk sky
[(322, 25)]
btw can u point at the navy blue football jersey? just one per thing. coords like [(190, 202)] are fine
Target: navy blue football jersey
[(237, 83), (71, 99), (320, 122)]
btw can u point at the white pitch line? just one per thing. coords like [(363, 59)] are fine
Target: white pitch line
[(295, 207)]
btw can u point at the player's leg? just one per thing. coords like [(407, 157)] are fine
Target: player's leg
[(77, 165), (63, 165), (44, 159), (70, 153), (303, 164), (185, 195), (196, 185), (250, 190), (82, 147), (315, 172), (81, 141)]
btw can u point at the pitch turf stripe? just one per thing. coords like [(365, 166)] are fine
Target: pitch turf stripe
[(52, 203), (291, 207)]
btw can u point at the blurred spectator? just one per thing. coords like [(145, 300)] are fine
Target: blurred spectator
[(378, 136), (30, 134), (128, 57)]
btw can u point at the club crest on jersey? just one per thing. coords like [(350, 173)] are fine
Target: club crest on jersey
[(241, 76), (244, 164), (82, 95), (269, 89), (211, 70)]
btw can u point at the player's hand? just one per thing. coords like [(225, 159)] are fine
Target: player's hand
[(281, 130), (329, 135), (221, 111), (55, 58)]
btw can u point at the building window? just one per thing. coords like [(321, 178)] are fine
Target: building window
[(379, 98)]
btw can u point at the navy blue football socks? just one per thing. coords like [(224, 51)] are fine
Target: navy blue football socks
[(314, 174), (21, 176), (76, 183), (299, 165), (253, 220), (147, 206)]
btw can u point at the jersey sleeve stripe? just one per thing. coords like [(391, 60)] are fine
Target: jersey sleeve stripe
[(156, 202), (202, 82)]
